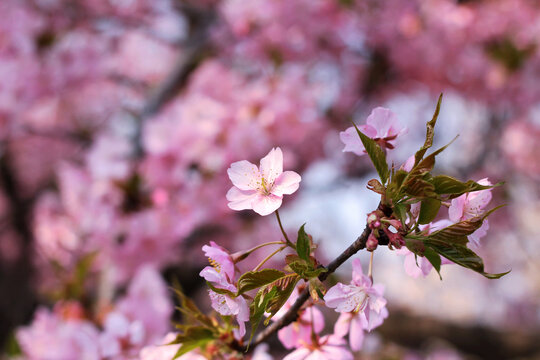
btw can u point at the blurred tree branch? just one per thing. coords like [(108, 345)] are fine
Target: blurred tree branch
[(414, 331)]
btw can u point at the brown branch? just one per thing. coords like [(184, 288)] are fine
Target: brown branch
[(292, 314), (417, 331)]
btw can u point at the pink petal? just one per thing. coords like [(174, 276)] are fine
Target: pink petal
[(244, 175), (352, 142), (298, 354), (358, 273), (341, 328), (455, 211), (266, 204), (479, 233), (356, 337), (410, 266), (272, 165), (385, 122), (286, 183), (241, 199)]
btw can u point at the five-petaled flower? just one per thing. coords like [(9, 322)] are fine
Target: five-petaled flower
[(261, 188), (382, 126), (361, 305)]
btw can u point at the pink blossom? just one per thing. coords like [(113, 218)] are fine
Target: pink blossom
[(299, 332), (382, 126), (472, 205), (361, 303), (222, 275), (261, 188), (416, 266), (329, 347), (51, 337)]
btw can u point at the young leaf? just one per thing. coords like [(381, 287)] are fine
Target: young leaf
[(461, 255), (285, 289), (430, 132), (434, 259), (375, 186), (376, 154), (255, 279), (428, 210), (192, 338), (303, 244), (189, 309), (258, 308), (447, 185)]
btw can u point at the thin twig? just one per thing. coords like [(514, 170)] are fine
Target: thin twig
[(292, 314)]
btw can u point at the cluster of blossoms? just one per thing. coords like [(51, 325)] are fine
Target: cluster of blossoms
[(360, 303), (74, 87)]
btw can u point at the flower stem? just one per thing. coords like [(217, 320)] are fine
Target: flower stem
[(289, 243), (268, 258), (370, 269), (241, 255)]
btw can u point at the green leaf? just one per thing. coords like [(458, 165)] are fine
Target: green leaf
[(376, 154), (255, 279), (300, 267), (447, 185), (285, 289), (315, 272), (428, 210), (461, 255), (434, 259), (192, 338), (430, 132), (303, 244), (375, 186), (258, 308), (220, 291), (189, 309)]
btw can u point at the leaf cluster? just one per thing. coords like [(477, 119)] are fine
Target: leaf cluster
[(399, 189)]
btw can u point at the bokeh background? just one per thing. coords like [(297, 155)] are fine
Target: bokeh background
[(119, 118)]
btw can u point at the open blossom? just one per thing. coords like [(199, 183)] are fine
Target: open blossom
[(261, 188), (329, 347), (471, 205), (361, 305), (298, 333), (222, 275), (382, 126), (416, 266)]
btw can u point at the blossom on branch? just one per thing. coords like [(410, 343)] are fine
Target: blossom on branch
[(471, 205), (261, 188), (361, 305), (222, 276), (382, 126)]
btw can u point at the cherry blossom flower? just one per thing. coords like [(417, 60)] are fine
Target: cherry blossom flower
[(471, 205), (416, 266), (299, 332), (222, 275), (382, 126), (329, 347), (261, 188), (361, 303)]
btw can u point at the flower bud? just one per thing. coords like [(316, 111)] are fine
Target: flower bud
[(372, 242)]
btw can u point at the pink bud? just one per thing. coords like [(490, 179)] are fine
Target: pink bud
[(372, 242)]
